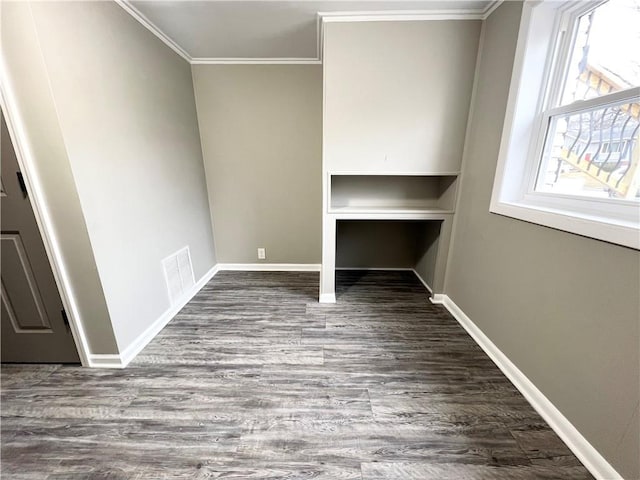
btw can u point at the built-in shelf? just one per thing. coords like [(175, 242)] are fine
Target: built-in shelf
[(392, 145), (392, 194), (389, 213)]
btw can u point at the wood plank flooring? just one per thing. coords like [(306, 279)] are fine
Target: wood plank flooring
[(256, 380)]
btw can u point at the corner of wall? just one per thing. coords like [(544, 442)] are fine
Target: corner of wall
[(40, 147), (466, 153)]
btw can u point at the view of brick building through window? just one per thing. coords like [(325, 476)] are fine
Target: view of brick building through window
[(593, 151)]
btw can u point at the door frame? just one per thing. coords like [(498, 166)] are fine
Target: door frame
[(43, 219)]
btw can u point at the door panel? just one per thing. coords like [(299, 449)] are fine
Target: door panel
[(26, 306), (34, 326)]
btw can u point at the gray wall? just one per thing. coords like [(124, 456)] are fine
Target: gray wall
[(383, 244), (397, 95), (261, 129), (127, 115), (430, 241), (38, 120), (563, 308)]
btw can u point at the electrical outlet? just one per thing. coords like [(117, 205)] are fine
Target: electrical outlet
[(262, 254)]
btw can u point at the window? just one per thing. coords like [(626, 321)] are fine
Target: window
[(570, 153)]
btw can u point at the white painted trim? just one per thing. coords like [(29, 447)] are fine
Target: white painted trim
[(327, 298), (24, 155), (438, 299), (514, 191), (384, 173), (384, 269), (400, 15), (605, 229), (320, 38), (426, 285), (269, 267), (322, 17), (103, 360), (580, 446), (392, 215), (255, 61), (149, 25), (149, 334), (491, 8), (135, 347)]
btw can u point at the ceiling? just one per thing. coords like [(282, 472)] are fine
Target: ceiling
[(239, 31)]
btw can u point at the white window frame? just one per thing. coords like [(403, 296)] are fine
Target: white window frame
[(547, 29)]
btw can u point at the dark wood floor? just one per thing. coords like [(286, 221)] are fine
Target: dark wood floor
[(255, 379)]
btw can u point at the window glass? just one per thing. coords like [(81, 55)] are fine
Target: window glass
[(606, 52), (595, 152)]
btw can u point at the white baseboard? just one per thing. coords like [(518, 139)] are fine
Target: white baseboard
[(439, 299), (580, 446), (384, 269), (270, 267), (135, 347), (426, 285), (327, 298), (104, 360), (149, 334)]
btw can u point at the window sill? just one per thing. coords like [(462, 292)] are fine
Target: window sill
[(620, 232)]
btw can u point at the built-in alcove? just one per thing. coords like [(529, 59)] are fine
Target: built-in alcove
[(388, 221), (392, 193), (394, 244), (394, 120)]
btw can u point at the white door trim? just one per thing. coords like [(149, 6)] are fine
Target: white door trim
[(42, 216)]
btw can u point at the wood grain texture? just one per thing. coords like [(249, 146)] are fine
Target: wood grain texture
[(254, 379)]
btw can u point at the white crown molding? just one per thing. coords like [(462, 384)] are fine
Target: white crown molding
[(255, 61), (400, 15), (321, 19), (491, 8), (397, 16), (149, 25), (597, 465)]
